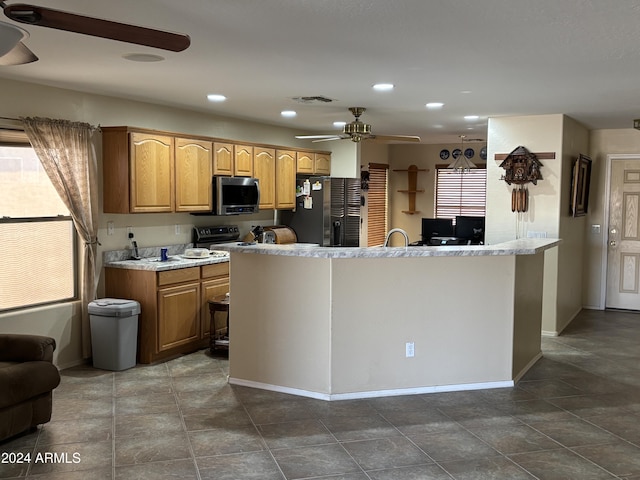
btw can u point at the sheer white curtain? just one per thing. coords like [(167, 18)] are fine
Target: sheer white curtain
[(67, 154)]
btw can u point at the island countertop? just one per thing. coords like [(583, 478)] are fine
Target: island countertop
[(523, 246)]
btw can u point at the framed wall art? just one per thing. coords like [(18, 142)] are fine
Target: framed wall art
[(580, 186)]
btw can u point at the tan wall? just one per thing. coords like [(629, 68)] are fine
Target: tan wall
[(280, 321), (338, 327), (442, 304), (548, 205)]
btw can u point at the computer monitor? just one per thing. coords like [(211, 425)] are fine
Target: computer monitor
[(470, 228), (436, 227)]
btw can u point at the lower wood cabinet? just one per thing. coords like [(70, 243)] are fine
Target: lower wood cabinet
[(178, 316), (174, 317)]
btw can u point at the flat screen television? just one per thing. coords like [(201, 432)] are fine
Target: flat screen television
[(470, 228), (436, 227)]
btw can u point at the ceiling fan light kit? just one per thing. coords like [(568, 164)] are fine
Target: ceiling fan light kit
[(357, 131)]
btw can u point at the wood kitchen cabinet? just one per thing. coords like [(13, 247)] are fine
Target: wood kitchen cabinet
[(223, 159), (151, 169), (264, 169), (322, 164), (193, 171), (174, 312), (285, 179), (137, 171), (243, 160), (304, 163), (309, 163), (145, 171)]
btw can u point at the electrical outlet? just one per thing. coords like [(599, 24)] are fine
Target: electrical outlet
[(129, 231), (177, 229), (410, 349), (110, 228)]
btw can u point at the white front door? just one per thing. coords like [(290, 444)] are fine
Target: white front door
[(623, 251)]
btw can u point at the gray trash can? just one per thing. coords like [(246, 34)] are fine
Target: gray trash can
[(114, 333)]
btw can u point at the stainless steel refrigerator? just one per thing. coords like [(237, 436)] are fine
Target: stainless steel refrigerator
[(330, 216)]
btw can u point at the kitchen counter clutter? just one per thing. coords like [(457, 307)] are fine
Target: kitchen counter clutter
[(345, 323)]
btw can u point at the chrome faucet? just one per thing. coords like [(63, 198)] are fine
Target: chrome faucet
[(397, 230)]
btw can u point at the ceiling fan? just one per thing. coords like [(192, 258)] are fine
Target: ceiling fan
[(357, 131), (14, 52)]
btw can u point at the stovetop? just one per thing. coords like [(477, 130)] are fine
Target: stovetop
[(203, 237)]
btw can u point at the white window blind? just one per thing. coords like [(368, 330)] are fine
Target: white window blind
[(460, 193), (31, 211), (377, 204)]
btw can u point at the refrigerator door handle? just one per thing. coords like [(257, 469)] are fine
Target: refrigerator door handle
[(337, 233)]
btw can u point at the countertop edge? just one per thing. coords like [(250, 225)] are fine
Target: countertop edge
[(513, 247)]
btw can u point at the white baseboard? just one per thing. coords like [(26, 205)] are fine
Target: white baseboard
[(372, 393)]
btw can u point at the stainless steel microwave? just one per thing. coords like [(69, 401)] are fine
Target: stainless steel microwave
[(235, 195)]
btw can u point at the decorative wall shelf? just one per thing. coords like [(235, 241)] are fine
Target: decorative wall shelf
[(412, 186)]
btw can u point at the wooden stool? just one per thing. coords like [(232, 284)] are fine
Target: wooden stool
[(218, 304)]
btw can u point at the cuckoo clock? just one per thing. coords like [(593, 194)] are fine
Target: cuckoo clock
[(521, 167)]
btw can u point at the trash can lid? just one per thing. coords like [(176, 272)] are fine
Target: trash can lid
[(114, 307)]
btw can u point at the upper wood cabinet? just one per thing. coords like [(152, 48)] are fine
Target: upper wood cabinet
[(309, 163), (322, 164), (146, 171), (304, 163), (151, 166), (264, 169), (223, 158), (243, 161), (193, 175), (285, 179), (153, 171)]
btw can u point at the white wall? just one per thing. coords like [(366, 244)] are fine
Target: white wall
[(23, 99)]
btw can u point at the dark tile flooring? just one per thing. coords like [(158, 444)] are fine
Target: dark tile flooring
[(575, 415)]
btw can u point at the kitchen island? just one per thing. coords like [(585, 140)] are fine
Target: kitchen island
[(342, 323)]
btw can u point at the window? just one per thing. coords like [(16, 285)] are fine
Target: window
[(377, 204), (460, 193), (36, 231)]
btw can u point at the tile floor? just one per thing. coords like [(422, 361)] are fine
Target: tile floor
[(575, 416)]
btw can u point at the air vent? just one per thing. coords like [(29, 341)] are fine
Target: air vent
[(316, 99)]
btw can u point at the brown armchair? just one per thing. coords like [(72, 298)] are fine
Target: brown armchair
[(27, 378)]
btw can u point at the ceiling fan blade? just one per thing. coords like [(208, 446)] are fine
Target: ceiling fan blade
[(394, 138), (311, 137), (19, 55), (328, 139), (71, 22)]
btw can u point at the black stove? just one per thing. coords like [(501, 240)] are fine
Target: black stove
[(205, 237)]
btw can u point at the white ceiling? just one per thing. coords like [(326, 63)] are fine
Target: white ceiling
[(480, 57)]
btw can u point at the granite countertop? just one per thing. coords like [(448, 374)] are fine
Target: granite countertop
[(524, 246), (151, 259)]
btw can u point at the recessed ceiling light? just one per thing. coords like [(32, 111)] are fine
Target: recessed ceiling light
[(383, 87), (471, 117), (216, 97), (288, 113), (339, 124), (142, 57), (434, 105)]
